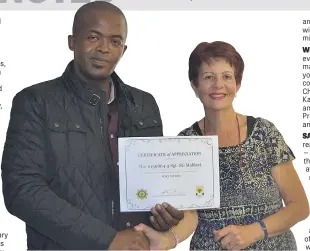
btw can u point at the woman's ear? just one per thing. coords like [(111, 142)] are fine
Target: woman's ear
[(237, 89), (194, 88)]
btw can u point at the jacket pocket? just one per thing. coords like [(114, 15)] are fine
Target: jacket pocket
[(67, 142), (148, 127)]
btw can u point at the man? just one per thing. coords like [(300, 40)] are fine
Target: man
[(59, 166)]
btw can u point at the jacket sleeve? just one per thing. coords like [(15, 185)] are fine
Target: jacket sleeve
[(25, 189)]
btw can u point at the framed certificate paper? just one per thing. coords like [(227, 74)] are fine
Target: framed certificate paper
[(183, 171)]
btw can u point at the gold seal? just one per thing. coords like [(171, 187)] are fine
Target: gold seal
[(200, 191), (142, 194)]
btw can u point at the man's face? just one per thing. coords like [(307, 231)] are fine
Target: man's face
[(98, 44)]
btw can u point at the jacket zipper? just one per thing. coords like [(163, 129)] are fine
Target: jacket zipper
[(102, 135)]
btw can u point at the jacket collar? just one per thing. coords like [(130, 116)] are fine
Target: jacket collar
[(91, 94)]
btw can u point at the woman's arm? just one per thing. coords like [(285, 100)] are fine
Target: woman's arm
[(166, 240), (296, 209), (186, 226), (296, 203)]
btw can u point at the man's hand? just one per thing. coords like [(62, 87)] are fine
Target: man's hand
[(165, 216), (130, 240), (235, 237), (158, 240)]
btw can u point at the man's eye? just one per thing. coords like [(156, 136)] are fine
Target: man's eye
[(117, 42), (92, 38)]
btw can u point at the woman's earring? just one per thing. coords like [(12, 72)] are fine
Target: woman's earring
[(196, 95)]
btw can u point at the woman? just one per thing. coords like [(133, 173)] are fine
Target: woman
[(256, 170)]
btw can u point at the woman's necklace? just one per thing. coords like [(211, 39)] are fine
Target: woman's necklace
[(239, 137)]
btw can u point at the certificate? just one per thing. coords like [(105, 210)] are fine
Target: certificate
[(182, 171)]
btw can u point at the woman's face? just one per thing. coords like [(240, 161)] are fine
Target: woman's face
[(216, 85)]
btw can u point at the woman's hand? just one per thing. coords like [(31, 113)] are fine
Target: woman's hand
[(158, 240), (234, 237)]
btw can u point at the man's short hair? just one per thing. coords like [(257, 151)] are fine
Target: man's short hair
[(93, 6)]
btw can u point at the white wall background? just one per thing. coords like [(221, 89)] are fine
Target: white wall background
[(34, 47)]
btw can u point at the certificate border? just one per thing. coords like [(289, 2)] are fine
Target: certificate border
[(209, 201)]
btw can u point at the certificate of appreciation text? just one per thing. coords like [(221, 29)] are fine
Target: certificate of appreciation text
[(182, 171)]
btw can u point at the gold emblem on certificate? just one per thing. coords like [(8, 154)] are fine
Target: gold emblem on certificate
[(200, 191), (142, 194)]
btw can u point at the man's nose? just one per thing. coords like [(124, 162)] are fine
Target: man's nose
[(103, 45)]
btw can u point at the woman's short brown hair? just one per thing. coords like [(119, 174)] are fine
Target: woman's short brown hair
[(206, 52)]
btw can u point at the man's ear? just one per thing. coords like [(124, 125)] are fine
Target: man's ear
[(71, 42), (125, 48)]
